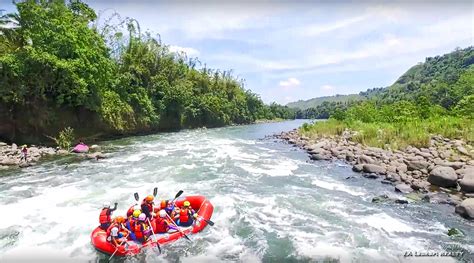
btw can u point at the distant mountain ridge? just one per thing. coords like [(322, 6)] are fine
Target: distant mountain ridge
[(313, 103), (415, 81)]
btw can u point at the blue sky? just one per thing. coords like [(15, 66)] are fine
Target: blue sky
[(291, 50)]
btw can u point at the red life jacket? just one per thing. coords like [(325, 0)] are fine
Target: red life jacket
[(161, 225), (138, 229), (104, 216), (149, 205), (184, 215)]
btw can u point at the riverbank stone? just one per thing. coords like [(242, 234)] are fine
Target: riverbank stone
[(403, 188), (443, 176), (373, 168), (466, 208), (467, 183)]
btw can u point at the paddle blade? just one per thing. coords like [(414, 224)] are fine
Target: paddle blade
[(136, 196), (186, 236), (178, 194), (155, 191), (209, 222)]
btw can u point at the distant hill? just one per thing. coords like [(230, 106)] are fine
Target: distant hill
[(313, 103), (422, 79)]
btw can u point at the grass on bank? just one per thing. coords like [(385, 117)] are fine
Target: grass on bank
[(396, 135)]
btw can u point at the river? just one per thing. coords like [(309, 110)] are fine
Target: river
[(271, 203)]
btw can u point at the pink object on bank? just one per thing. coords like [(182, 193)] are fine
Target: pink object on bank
[(81, 148)]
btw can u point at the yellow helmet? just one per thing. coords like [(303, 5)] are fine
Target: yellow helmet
[(186, 203), (136, 213)]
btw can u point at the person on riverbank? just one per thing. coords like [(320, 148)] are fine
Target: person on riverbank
[(24, 153), (105, 217), (186, 215), (147, 207)]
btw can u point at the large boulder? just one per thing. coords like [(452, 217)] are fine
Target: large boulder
[(358, 168), (443, 176), (466, 208), (467, 183), (467, 170), (454, 165), (364, 159), (373, 168), (402, 168), (404, 188), (417, 165), (318, 157)]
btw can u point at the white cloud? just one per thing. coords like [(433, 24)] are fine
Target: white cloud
[(327, 87), (318, 29), (290, 83), (190, 52)]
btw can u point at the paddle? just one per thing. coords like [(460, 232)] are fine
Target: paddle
[(177, 228), (153, 232), (155, 191), (118, 247), (207, 221)]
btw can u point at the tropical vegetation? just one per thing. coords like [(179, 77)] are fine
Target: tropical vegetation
[(435, 97), (61, 67)]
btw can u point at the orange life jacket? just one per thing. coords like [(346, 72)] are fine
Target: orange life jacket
[(104, 216), (184, 215)]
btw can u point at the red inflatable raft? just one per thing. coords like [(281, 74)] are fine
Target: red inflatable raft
[(203, 208)]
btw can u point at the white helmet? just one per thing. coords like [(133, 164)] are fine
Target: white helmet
[(142, 217), (106, 204), (162, 213), (114, 231)]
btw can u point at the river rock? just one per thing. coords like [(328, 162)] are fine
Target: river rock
[(380, 199), (417, 165), (466, 208), (443, 176), (402, 168), (94, 147), (468, 170), (467, 183), (364, 159), (8, 160), (97, 156), (318, 157), (350, 157), (2, 144), (370, 175), (404, 188), (358, 168), (392, 169), (454, 165), (421, 185), (373, 168), (425, 155), (14, 147), (463, 150)]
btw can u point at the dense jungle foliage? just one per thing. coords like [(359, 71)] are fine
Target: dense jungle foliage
[(60, 67)]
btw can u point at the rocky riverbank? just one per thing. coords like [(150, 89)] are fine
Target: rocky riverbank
[(10, 155), (442, 173)]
